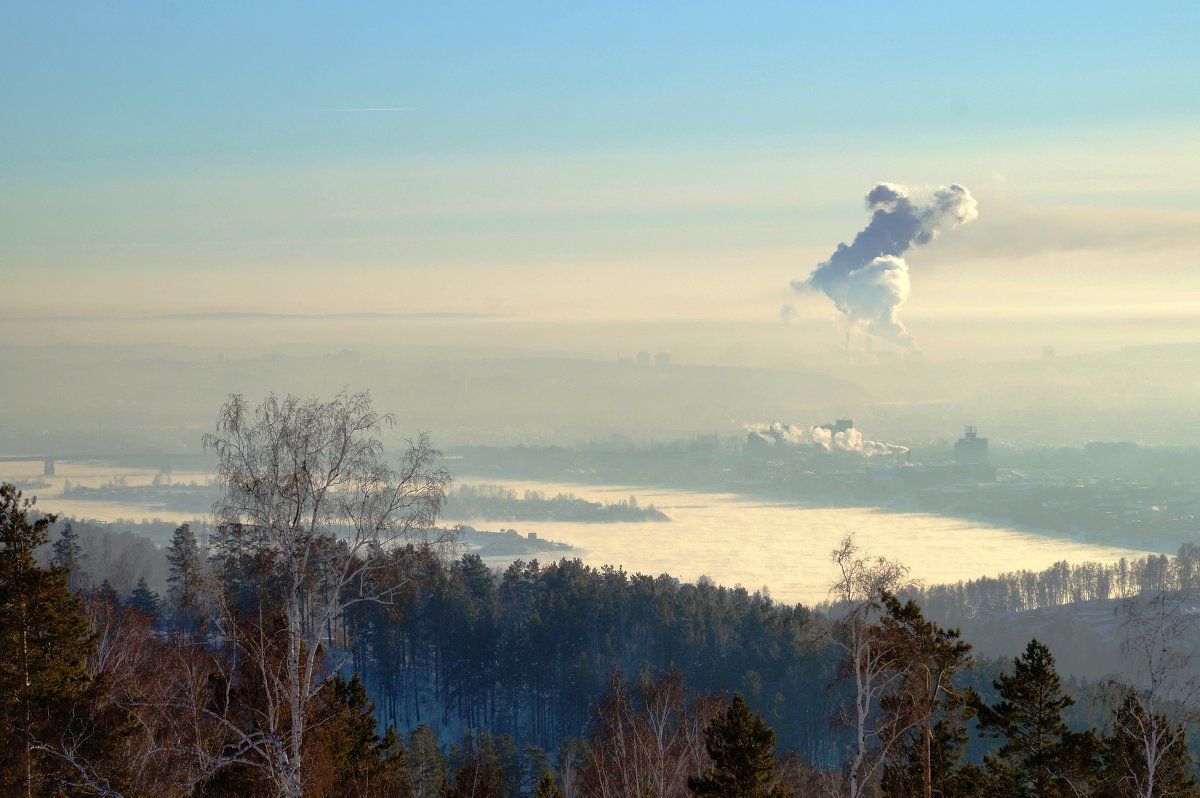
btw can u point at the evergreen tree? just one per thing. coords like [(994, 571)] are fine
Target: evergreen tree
[(349, 758), (926, 702), (742, 748), (185, 577), (547, 787), (69, 554), (107, 593), (1040, 756), (904, 775), (145, 600), (44, 642)]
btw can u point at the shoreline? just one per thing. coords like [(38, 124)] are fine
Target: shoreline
[(900, 505)]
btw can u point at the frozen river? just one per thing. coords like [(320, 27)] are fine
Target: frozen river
[(784, 547)]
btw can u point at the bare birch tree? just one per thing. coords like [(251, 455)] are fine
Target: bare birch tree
[(647, 742), (309, 511), (140, 728), (1153, 711), (872, 662)]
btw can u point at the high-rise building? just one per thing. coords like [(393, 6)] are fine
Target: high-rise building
[(970, 448)]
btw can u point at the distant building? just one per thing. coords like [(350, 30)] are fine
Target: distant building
[(1048, 353), (643, 358), (841, 425), (971, 448), (662, 360)]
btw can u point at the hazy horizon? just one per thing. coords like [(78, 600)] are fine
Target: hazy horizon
[(594, 182), (921, 219)]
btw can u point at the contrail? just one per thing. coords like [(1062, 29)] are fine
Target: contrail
[(365, 110), (867, 279)]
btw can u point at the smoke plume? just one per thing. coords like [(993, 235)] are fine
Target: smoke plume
[(791, 436), (867, 279)]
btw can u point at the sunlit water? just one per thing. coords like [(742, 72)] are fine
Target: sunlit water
[(784, 547), (92, 475)]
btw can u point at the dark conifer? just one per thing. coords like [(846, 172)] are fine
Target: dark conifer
[(69, 554), (44, 642), (145, 600), (742, 748), (347, 755), (185, 577), (108, 594), (1039, 755), (927, 702)]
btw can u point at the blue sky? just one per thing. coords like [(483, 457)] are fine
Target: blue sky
[(555, 146), (157, 85)]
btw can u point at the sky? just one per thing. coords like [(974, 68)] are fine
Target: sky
[(581, 165)]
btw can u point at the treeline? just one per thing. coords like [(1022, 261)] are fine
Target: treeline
[(499, 503), (175, 497), (1061, 583), (112, 553)]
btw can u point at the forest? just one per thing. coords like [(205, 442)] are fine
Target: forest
[(498, 503), (328, 641)]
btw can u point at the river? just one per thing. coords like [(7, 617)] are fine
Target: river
[(786, 547), (780, 546)]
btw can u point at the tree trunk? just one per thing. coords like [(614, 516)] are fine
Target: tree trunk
[(927, 764), (298, 702), (860, 730), (26, 757)]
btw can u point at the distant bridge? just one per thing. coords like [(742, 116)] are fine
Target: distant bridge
[(46, 461)]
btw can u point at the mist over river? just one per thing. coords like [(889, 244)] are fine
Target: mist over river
[(785, 547), (731, 539)]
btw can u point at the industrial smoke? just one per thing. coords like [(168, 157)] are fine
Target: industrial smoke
[(867, 279), (792, 436)]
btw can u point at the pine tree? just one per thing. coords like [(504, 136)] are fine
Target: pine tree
[(347, 754), (145, 600), (742, 748), (69, 554), (44, 642), (1040, 757), (186, 577), (904, 775), (926, 701), (107, 593)]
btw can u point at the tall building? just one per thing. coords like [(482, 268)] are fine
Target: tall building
[(970, 448)]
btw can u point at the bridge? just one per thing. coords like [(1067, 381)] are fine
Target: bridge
[(46, 461)]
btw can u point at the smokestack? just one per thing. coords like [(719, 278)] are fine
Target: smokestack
[(867, 279)]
